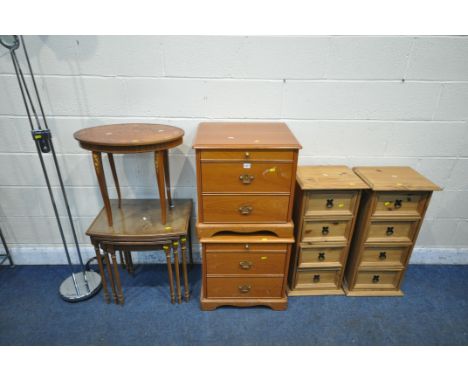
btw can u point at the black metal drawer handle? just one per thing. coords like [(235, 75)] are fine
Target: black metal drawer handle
[(390, 231), (325, 231), (329, 203), (321, 256), (397, 204), (376, 279), (383, 256), (316, 279)]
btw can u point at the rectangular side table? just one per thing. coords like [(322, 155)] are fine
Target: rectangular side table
[(137, 227)]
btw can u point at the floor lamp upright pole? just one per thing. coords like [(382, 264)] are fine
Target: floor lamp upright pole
[(85, 284)]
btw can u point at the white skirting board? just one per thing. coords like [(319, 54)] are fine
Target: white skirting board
[(34, 255)]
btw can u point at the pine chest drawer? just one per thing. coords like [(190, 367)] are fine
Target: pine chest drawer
[(391, 214), (326, 203)]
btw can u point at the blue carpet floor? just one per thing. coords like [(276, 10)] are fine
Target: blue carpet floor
[(434, 311)]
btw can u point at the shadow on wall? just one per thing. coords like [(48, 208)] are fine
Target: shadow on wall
[(62, 57)]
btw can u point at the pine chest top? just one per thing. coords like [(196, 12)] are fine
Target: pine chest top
[(392, 178), (328, 178)]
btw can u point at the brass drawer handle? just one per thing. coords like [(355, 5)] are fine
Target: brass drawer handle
[(245, 264), (383, 256), (245, 210), (246, 246), (376, 279), (316, 279), (325, 231), (329, 203), (246, 178), (321, 256), (390, 231), (397, 204), (244, 288), (247, 154)]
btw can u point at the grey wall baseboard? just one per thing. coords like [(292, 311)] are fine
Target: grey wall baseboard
[(29, 255)]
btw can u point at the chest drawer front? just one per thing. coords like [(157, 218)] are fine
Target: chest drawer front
[(244, 287), (318, 279), (246, 155), (245, 247), (233, 263), (245, 208), (391, 231), (398, 203), (377, 279), (246, 177), (331, 203), (384, 256), (321, 256), (326, 230)]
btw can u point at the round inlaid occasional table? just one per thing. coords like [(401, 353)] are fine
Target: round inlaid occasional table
[(129, 138)]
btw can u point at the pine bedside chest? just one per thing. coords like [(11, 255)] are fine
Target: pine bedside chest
[(389, 220), (326, 204), (245, 181)]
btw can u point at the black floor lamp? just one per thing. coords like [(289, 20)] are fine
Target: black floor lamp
[(80, 285)]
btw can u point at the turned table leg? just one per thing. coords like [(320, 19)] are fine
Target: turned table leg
[(159, 163), (97, 160), (103, 275), (117, 278), (122, 261), (175, 250), (114, 175), (189, 239), (167, 250), (183, 248), (111, 277), (167, 178), (128, 259)]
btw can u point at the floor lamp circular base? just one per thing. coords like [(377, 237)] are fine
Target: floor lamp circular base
[(70, 293)]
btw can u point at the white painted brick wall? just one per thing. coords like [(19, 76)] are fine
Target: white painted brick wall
[(395, 100)]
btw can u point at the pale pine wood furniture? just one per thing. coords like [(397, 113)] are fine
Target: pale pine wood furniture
[(326, 204), (389, 220), (130, 138), (137, 227), (245, 183)]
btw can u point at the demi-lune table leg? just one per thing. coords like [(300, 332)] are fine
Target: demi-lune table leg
[(97, 160), (167, 250), (114, 175), (159, 163), (168, 178)]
